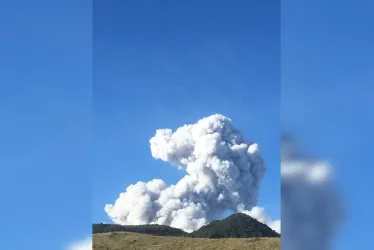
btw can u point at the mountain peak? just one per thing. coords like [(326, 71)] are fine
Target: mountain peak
[(237, 225)]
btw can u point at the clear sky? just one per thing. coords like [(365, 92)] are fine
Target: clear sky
[(327, 98), (165, 65), (46, 110)]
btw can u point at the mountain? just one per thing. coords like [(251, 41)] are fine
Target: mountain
[(159, 230), (235, 226)]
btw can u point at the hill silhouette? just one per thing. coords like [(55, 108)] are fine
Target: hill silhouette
[(234, 226), (154, 229)]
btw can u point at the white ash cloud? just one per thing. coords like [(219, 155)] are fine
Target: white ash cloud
[(85, 244), (311, 208), (223, 172), (259, 214)]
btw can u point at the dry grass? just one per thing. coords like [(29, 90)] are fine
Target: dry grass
[(135, 241)]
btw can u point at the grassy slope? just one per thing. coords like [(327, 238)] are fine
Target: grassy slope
[(132, 241)]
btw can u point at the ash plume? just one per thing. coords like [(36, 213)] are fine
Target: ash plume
[(311, 207), (259, 214), (85, 244), (223, 172)]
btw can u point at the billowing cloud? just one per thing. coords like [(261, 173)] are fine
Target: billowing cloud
[(259, 214), (85, 244), (223, 172)]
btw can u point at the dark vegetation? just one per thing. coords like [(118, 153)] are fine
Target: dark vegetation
[(235, 226), (159, 230)]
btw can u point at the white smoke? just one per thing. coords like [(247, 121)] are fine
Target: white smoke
[(259, 214), (85, 244), (311, 208), (223, 172)]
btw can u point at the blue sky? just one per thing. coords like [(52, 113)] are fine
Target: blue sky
[(162, 66), (327, 86), (46, 109)]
